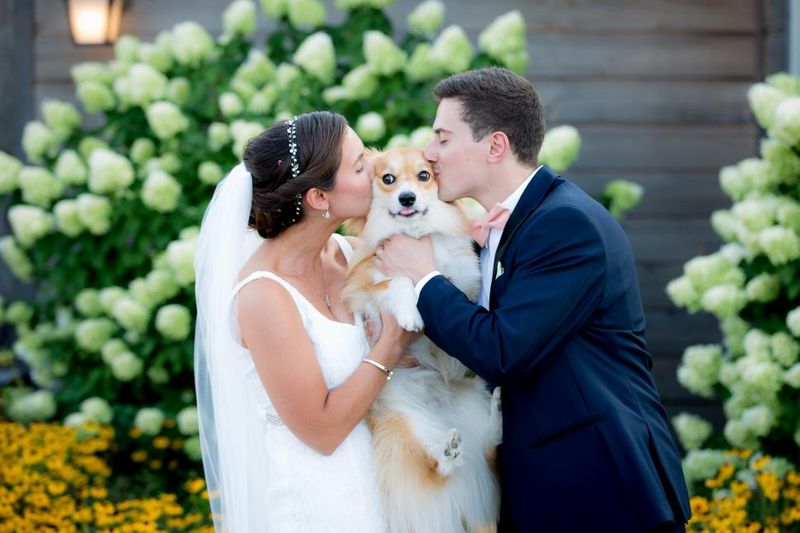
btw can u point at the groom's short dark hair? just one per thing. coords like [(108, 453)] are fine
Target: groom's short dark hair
[(496, 99)]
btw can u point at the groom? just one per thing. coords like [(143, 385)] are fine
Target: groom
[(559, 324)]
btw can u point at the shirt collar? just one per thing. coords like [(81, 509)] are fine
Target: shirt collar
[(511, 202)]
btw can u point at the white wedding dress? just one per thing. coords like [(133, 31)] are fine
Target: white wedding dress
[(307, 491)]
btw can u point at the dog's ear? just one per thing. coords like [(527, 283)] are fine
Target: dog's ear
[(354, 226)]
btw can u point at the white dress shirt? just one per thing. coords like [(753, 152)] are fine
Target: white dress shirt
[(489, 251)]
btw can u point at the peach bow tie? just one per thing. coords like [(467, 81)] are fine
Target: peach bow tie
[(497, 218)]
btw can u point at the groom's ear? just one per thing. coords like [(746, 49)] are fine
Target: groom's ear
[(499, 147)]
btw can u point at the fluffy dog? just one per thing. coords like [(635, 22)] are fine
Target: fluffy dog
[(435, 427)]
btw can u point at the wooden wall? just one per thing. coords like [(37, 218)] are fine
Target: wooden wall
[(656, 88)]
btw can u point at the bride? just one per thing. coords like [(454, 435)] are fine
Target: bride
[(284, 373)]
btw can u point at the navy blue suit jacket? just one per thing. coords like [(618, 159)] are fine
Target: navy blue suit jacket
[(586, 443)]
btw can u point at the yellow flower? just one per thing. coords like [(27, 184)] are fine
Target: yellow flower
[(161, 442), (139, 456), (195, 485)]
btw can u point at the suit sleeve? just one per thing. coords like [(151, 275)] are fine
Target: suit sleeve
[(556, 283)]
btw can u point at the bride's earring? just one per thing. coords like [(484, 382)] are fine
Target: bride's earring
[(326, 215)]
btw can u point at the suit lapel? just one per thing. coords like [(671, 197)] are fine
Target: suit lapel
[(537, 190)]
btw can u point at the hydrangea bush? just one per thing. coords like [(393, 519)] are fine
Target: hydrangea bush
[(105, 219), (752, 285)]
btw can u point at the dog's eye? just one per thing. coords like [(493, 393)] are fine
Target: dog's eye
[(424, 175), (388, 179)]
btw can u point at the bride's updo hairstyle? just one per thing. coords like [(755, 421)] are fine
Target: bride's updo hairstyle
[(277, 191)]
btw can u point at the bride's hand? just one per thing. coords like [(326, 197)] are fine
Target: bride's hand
[(397, 337)]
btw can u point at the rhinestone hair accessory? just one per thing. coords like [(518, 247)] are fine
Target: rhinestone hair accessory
[(292, 132), (293, 146)]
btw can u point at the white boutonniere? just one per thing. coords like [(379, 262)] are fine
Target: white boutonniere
[(499, 271)]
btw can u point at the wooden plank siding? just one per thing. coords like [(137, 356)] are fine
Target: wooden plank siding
[(656, 88)]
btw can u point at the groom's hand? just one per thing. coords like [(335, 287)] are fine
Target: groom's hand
[(404, 256)]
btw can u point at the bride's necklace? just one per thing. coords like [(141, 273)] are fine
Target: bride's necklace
[(324, 295)]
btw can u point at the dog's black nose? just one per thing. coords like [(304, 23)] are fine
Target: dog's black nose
[(407, 198)]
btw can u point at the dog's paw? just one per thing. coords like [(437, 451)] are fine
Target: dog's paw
[(448, 454), (409, 319)]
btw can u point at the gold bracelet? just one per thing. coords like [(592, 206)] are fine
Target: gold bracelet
[(380, 367)]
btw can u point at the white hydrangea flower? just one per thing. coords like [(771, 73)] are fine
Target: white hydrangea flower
[(210, 172), (191, 44), (788, 214), (793, 321), (161, 285), (230, 104), (756, 214), (61, 117), (219, 135), (683, 294), (360, 82), (192, 449), (421, 136), (422, 65), (166, 119), (399, 140), (109, 172), (783, 161), (759, 419), (733, 182), (70, 168), (758, 345), (188, 421), (738, 434), (90, 71), (763, 288), (560, 147), (29, 223), (67, 219), (764, 100), (109, 296), (174, 322), (32, 407), (97, 410), (760, 380), (692, 430), (126, 367), (9, 172), (242, 131), (14, 256), (257, 68), (699, 368), (38, 141), (758, 174), (19, 313), (275, 9), (158, 375), (735, 253), (707, 271), (149, 421), (178, 91), (92, 333), (792, 376), (725, 224), (453, 50), (161, 192), (724, 300), (131, 314), (111, 349), (158, 56), (317, 56), (75, 420), (427, 17), (180, 258), (306, 13), (371, 127), (95, 96), (703, 464), (787, 121), (95, 213), (785, 349), (239, 18), (39, 187), (779, 244), (126, 49), (88, 303), (504, 40), (383, 56), (624, 195)]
